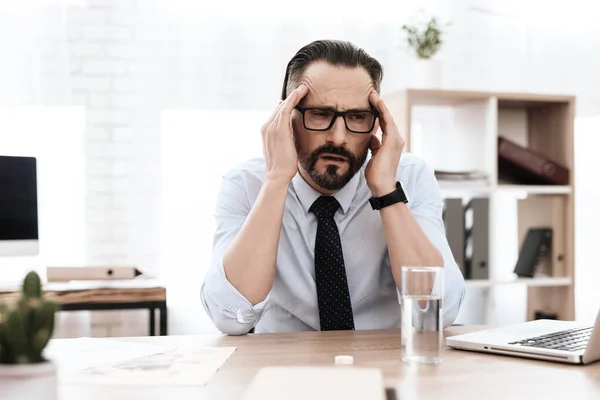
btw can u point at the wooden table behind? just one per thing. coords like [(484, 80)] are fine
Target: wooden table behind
[(462, 375), (111, 295), (92, 292)]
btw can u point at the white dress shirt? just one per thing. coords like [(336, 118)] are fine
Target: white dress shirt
[(291, 305)]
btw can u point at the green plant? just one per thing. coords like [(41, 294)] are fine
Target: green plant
[(27, 324), (425, 42)]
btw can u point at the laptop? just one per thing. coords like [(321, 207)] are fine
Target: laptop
[(551, 340)]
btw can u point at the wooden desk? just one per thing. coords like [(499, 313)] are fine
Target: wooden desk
[(462, 375), (108, 295)]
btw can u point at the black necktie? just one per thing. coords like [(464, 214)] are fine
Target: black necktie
[(335, 309)]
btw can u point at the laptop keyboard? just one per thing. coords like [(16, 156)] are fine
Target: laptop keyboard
[(569, 340)]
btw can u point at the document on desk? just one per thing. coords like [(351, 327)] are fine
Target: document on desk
[(176, 367), (72, 355)]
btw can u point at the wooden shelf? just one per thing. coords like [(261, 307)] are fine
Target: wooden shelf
[(433, 97), (529, 189), (436, 97), (456, 130), (469, 189), (529, 282), (464, 189)]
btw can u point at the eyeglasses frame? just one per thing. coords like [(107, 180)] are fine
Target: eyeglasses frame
[(337, 114)]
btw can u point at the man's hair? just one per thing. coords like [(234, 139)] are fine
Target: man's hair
[(334, 52)]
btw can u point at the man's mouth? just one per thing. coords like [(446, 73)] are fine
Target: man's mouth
[(333, 157)]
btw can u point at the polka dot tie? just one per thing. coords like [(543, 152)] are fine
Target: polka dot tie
[(335, 309)]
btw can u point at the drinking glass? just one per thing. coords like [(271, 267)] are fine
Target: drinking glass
[(421, 305)]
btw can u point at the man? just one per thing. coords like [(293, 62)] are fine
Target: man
[(313, 236)]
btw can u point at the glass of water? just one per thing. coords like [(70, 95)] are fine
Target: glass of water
[(421, 304)]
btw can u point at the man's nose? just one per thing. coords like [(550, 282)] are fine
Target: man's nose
[(337, 133)]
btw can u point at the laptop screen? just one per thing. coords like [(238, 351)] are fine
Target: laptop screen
[(18, 198)]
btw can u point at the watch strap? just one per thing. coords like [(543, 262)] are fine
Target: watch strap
[(397, 196)]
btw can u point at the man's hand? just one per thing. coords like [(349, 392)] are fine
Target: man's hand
[(381, 169), (278, 145)]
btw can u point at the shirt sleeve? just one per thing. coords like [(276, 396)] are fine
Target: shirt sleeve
[(427, 206), (229, 310)]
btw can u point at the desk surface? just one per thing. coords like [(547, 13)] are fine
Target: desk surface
[(462, 375)]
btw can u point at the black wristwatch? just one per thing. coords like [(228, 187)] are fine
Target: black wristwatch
[(396, 196)]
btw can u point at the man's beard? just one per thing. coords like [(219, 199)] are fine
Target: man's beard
[(330, 179)]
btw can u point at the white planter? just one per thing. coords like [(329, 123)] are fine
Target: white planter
[(28, 381), (426, 74)]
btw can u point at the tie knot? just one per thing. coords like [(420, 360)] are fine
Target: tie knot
[(325, 207)]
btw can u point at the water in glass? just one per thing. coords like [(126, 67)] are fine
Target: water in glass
[(422, 329)]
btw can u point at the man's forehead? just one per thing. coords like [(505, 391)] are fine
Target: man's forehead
[(333, 86), (326, 76)]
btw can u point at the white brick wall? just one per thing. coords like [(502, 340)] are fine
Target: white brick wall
[(90, 84), (124, 77), (100, 36), (110, 33)]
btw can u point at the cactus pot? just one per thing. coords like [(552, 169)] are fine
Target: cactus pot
[(28, 381)]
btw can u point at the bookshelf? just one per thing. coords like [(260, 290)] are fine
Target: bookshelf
[(458, 131)]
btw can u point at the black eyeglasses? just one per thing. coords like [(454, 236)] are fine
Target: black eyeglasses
[(322, 119)]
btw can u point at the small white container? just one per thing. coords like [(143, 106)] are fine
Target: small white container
[(426, 74), (29, 381)]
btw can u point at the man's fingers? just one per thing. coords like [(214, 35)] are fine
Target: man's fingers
[(295, 97), (272, 117), (386, 121), (291, 102), (383, 111), (374, 144), (273, 123), (268, 127)]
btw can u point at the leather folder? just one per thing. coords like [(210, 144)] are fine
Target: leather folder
[(527, 166)]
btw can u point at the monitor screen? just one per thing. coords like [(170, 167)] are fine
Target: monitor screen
[(18, 198)]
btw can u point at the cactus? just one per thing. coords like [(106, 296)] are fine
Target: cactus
[(27, 324)]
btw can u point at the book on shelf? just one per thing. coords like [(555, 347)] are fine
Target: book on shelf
[(526, 166)]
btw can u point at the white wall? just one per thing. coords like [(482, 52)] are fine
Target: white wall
[(54, 136), (587, 216), (130, 62), (193, 161)]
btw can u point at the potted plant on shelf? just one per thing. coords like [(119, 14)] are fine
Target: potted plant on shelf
[(26, 326), (425, 43)]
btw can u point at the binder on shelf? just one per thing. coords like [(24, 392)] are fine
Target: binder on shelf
[(534, 250), (454, 222), (476, 238), (527, 166)]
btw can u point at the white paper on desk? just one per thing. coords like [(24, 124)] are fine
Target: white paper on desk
[(316, 383), (71, 355), (180, 367)]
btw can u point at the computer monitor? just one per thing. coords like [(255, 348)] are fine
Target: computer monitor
[(19, 231)]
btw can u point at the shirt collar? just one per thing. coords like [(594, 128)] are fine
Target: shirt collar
[(307, 195)]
